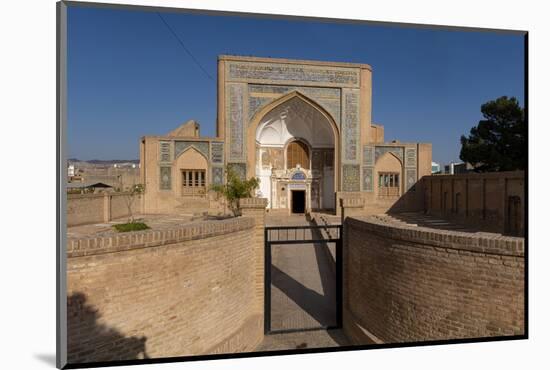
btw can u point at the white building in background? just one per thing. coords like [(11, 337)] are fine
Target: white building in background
[(454, 168), (436, 168), (450, 168), (70, 170)]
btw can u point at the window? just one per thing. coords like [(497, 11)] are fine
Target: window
[(297, 153), (193, 182), (388, 184)]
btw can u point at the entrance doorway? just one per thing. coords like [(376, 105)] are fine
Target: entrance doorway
[(298, 200)]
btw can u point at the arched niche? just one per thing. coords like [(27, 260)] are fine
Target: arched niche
[(293, 116), (190, 160), (388, 163), (288, 119)]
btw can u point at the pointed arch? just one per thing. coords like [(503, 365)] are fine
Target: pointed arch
[(190, 161), (194, 148), (389, 164), (258, 117)]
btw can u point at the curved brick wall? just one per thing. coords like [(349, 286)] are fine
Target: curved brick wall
[(187, 291), (406, 283)]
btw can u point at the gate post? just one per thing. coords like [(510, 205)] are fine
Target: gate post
[(348, 207), (351, 207), (255, 209)]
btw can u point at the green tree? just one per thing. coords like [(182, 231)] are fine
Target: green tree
[(498, 142), (130, 196), (236, 188)]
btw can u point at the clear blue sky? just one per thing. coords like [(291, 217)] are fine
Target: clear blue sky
[(128, 76)]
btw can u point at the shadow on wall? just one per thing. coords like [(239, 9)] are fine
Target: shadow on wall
[(411, 201), (90, 341)]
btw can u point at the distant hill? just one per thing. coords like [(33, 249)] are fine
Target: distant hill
[(105, 161)]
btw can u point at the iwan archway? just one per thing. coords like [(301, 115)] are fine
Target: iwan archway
[(295, 156)]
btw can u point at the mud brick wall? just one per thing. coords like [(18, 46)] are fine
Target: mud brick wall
[(85, 209), (406, 283), (491, 201), (186, 291)]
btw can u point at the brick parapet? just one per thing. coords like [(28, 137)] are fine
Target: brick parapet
[(77, 247), (487, 243), (98, 195), (352, 202), (194, 293), (477, 175), (259, 203)]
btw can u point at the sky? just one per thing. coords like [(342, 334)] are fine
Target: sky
[(128, 76)]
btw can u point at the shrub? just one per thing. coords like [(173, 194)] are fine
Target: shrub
[(235, 189), (130, 226)]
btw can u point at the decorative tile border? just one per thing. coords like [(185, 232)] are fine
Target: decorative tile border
[(290, 73), (234, 108), (350, 125)]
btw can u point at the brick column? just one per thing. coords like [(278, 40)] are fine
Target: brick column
[(351, 207), (255, 209), (106, 207)]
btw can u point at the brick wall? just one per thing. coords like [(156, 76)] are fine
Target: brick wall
[(480, 199), (255, 209), (186, 291), (406, 283), (85, 209)]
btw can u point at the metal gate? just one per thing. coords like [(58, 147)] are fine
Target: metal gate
[(300, 237)]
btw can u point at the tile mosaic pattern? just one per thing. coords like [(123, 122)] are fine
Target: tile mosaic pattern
[(410, 157), (350, 125), (368, 179), (280, 72), (326, 97), (217, 175), (239, 168), (201, 146), (368, 155), (217, 152), (410, 176), (165, 178), (381, 150), (351, 177), (235, 118), (165, 148)]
